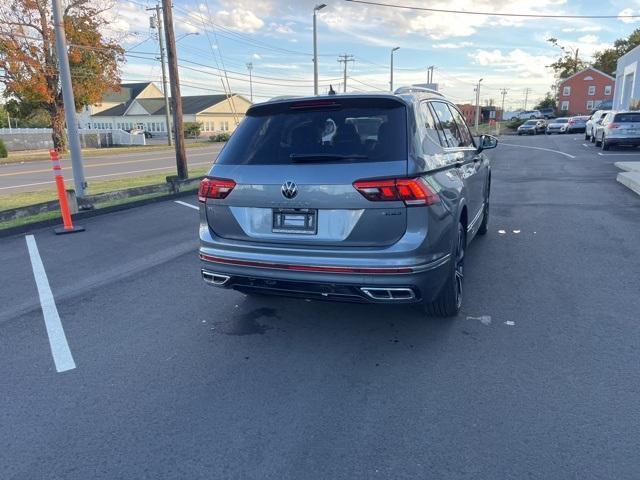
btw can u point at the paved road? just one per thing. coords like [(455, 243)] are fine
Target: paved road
[(32, 176), (175, 379)]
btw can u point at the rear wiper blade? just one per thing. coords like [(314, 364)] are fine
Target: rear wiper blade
[(310, 157)]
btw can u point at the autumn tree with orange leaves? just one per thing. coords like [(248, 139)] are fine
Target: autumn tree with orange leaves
[(28, 62)]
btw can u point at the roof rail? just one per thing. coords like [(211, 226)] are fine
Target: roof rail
[(416, 89)]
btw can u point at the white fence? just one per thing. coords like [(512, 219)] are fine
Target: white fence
[(39, 138)]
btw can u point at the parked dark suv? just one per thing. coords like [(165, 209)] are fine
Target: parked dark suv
[(355, 197)]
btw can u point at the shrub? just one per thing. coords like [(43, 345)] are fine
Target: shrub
[(514, 123), (3, 150), (192, 129), (220, 137)]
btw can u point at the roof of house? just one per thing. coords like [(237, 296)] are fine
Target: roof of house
[(127, 92), (155, 106), (586, 69)]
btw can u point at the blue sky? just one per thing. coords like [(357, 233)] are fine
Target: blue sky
[(275, 35)]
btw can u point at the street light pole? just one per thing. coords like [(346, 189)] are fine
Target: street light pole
[(478, 104), (250, 67), (165, 88), (68, 100), (315, 48), (391, 70)]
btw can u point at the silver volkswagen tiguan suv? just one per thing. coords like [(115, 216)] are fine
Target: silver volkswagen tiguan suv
[(353, 197)]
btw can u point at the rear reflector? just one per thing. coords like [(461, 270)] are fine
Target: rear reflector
[(412, 191), (215, 188), (303, 268)]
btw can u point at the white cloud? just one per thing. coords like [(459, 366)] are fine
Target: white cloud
[(586, 28), (626, 12), (239, 19), (452, 45), (516, 61), (588, 39), (255, 56), (282, 28)]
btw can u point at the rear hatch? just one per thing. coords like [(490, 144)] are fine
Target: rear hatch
[(294, 165), (626, 125)]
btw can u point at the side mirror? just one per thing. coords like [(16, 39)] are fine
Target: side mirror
[(487, 142)]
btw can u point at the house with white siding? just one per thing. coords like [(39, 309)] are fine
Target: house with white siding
[(141, 105)]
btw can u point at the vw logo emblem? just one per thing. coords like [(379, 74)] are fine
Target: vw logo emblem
[(289, 190)]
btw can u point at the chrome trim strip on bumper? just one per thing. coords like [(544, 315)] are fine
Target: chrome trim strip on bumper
[(402, 270)]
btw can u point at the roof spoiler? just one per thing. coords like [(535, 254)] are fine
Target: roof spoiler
[(414, 89)]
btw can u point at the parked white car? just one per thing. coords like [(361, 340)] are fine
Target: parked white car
[(592, 124)]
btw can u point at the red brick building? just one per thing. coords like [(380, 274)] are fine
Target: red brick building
[(468, 112), (583, 92)]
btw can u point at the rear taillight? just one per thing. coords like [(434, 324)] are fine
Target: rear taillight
[(215, 188), (412, 191), (613, 125)]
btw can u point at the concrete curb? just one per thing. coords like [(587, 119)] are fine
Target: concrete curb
[(173, 189), (630, 180), (628, 166)]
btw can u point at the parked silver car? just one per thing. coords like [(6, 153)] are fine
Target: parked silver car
[(558, 125), (532, 127), (382, 215), (592, 123), (619, 128)]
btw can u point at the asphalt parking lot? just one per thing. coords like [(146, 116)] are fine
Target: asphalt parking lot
[(156, 375)]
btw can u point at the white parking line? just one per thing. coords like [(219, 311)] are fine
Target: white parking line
[(622, 154), (187, 204), (57, 339), (538, 148)]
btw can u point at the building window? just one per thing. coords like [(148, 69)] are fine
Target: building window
[(590, 105), (607, 90), (564, 106), (566, 91), (224, 126), (592, 90)]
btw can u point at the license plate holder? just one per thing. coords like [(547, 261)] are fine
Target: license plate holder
[(295, 220)]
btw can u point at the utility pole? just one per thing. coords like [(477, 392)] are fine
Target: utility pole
[(391, 71), (68, 100), (315, 47), (478, 104), (165, 88), (250, 67), (503, 92), (526, 97), (345, 59), (176, 99)]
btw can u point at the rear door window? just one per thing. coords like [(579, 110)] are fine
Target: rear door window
[(466, 139), (429, 128), (447, 124), (627, 117), (322, 131)]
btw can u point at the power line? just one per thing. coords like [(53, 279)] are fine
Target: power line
[(489, 14)]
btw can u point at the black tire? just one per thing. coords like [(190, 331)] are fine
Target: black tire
[(592, 138), (605, 145), (598, 143), (586, 137), (449, 300)]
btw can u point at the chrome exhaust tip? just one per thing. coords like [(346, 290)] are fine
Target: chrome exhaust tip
[(388, 294), (215, 279)]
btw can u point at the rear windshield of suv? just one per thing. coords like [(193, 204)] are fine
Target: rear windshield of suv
[(561, 120), (627, 117), (531, 122), (320, 131)]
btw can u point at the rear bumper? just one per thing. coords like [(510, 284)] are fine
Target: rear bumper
[(422, 284), (632, 141)]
